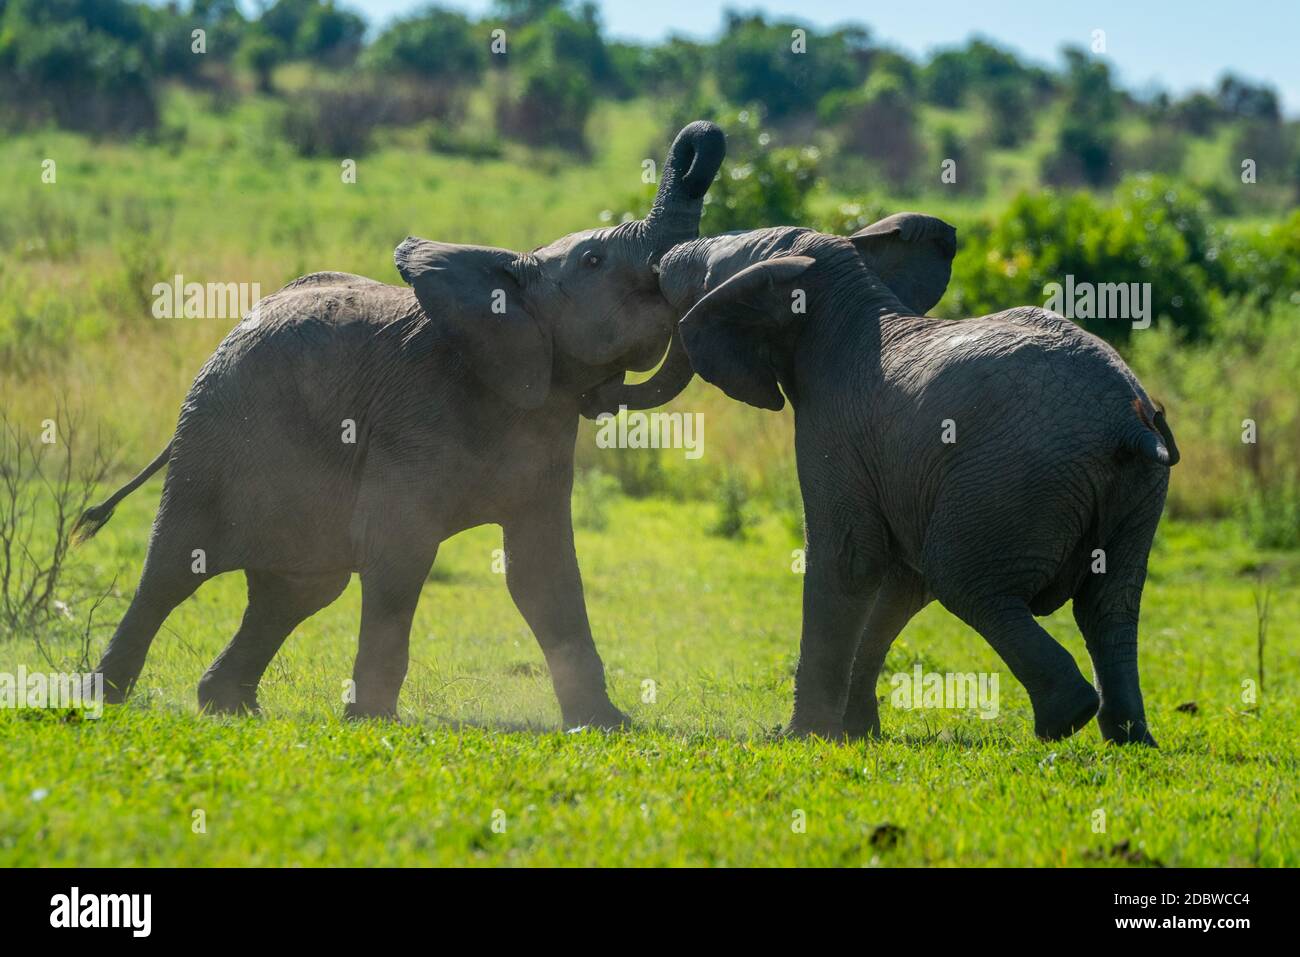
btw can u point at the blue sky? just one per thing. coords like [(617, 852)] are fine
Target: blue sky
[(1180, 44)]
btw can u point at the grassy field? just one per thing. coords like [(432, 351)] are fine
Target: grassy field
[(477, 772)]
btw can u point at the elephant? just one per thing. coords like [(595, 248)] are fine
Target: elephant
[(1001, 465), (348, 425)]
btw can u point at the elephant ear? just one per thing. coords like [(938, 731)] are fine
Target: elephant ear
[(477, 292), (728, 334), (912, 254)]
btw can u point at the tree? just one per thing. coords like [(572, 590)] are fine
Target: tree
[(1241, 98), (1085, 144), (85, 64), (977, 68), (878, 121), (1009, 109), (756, 62), (330, 33), (435, 44), (559, 61), (262, 53)]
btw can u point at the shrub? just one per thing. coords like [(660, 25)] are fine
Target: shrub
[(551, 108), (261, 53), (1271, 517), (561, 63), (593, 491), (435, 45), (734, 515), (754, 63), (44, 487), (1154, 232), (324, 121), (85, 67), (878, 122)]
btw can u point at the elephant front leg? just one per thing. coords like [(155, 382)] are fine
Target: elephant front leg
[(544, 581), (843, 573)]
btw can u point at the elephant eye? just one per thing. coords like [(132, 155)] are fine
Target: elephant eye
[(591, 259)]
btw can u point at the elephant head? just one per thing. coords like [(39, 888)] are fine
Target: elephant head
[(910, 252), (579, 311)]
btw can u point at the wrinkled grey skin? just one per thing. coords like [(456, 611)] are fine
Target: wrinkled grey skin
[(464, 414), (1058, 452)]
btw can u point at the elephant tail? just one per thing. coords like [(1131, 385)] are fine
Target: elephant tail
[(97, 516), (1151, 436)]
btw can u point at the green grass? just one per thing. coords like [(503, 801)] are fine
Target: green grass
[(714, 624)]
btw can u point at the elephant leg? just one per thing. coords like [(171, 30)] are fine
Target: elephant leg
[(390, 592), (900, 596), (1063, 700), (546, 585), (1106, 608), (167, 580), (845, 565), (276, 605)]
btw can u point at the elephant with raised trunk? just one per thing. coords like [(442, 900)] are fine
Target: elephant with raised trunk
[(1002, 465), (347, 425)]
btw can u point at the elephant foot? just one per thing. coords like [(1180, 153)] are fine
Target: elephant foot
[(113, 694), (218, 697), (355, 711), (829, 729), (856, 731), (1061, 713), (603, 717), (1125, 729), (862, 723)]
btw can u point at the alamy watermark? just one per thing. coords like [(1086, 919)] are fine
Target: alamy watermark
[(1106, 300), (53, 689), (651, 430), (179, 299), (950, 690), (130, 911)]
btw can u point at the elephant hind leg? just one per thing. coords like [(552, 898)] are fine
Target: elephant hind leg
[(1063, 700), (900, 596), (1106, 608), (171, 574), (277, 603), (154, 600)]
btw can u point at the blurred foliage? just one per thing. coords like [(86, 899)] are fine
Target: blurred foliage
[(771, 63), (434, 45), (1155, 231), (98, 66)]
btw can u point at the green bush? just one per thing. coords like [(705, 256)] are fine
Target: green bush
[(878, 122), (434, 45), (1271, 517), (593, 492), (735, 517), (754, 61), (82, 66), (1154, 232)]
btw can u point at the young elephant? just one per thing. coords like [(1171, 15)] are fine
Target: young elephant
[(983, 463), (348, 425)]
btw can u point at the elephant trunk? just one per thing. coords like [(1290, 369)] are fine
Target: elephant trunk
[(674, 219), (693, 161), (673, 375)]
